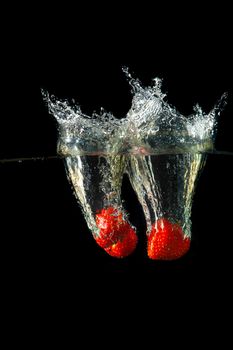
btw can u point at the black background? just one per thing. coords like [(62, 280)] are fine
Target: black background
[(47, 245)]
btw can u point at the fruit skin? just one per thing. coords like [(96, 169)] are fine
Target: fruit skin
[(166, 241), (116, 235)]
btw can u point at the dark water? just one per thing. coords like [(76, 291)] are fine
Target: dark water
[(44, 232)]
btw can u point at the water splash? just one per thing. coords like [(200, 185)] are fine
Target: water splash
[(158, 128), (161, 150), (151, 125), (81, 134)]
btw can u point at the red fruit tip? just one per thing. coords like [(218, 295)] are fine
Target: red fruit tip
[(166, 241)]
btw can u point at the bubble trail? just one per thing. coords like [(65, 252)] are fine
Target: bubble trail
[(96, 174), (166, 198), (172, 155)]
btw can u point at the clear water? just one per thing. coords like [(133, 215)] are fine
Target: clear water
[(161, 150), (165, 186), (97, 183)]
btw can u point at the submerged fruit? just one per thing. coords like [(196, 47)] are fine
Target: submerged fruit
[(166, 241), (116, 235)]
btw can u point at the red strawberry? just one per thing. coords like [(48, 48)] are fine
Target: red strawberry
[(116, 235), (166, 241)]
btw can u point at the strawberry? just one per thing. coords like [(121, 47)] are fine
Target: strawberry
[(116, 235), (166, 241)]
